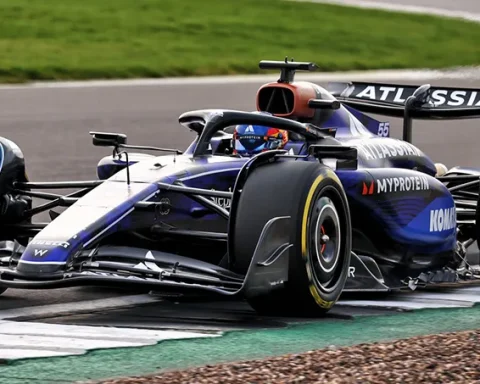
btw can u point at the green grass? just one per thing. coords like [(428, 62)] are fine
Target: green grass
[(66, 39)]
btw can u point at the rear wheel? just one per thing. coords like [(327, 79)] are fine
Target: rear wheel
[(312, 195)]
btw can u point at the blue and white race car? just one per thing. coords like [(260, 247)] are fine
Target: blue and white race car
[(287, 207)]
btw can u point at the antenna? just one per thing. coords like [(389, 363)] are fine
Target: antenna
[(128, 163)]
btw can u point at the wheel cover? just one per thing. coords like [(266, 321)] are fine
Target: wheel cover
[(325, 244)]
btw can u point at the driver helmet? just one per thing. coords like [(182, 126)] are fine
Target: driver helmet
[(249, 140)]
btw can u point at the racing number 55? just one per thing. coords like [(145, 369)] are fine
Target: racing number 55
[(383, 129)]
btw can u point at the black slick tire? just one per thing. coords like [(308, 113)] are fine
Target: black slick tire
[(312, 195)]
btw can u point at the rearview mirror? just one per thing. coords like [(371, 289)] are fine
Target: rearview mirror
[(106, 139)]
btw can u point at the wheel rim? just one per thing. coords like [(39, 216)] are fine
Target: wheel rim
[(325, 244)]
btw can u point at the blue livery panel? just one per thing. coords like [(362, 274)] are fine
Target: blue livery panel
[(401, 211), (390, 153), (378, 128)]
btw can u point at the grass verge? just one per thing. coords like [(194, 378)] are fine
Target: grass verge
[(66, 39)]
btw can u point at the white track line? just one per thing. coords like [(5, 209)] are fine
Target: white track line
[(79, 306), (450, 298), (470, 16), (20, 340)]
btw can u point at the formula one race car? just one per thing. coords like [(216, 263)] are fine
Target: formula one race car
[(341, 207)]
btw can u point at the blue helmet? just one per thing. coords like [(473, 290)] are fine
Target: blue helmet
[(252, 139)]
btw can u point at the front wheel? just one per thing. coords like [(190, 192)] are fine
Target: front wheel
[(313, 196)]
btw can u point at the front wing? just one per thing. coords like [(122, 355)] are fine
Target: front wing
[(155, 270)]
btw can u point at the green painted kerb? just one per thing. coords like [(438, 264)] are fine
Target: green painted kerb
[(239, 345)]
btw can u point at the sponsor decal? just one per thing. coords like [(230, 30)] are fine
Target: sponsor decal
[(223, 202), (402, 184), (383, 129), (213, 114), (251, 137), (440, 97), (351, 272), (40, 252), (383, 93), (63, 244), (396, 184), (164, 206), (443, 219), (150, 264), (368, 190), (385, 148)]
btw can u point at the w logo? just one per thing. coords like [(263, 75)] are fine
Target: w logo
[(40, 252)]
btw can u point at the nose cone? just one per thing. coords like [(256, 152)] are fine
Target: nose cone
[(43, 257)]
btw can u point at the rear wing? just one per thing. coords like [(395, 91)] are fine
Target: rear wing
[(409, 101)]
